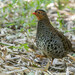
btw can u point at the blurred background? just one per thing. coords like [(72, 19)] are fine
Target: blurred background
[(18, 13), (18, 28)]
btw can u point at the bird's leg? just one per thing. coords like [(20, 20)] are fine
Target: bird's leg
[(40, 56), (52, 61), (47, 66)]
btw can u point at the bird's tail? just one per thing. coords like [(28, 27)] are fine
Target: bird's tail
[(73, 49), (73, 46)]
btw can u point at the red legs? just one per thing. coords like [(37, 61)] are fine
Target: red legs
[(47, 65), (52, 61), (40, 56)]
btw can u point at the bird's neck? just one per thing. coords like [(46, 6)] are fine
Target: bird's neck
[(45, 22), (42, 26)]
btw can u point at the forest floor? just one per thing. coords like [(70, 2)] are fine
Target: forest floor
[(18, 48)]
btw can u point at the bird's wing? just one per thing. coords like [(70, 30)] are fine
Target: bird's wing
[(66, 42)]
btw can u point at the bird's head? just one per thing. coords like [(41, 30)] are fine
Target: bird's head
[(40, 14)]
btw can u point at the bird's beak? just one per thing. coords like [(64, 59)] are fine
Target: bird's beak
[(34, 13)]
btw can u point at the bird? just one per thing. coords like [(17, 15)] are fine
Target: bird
[(49, 40)]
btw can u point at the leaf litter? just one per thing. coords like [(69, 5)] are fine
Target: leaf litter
[(18, 49)]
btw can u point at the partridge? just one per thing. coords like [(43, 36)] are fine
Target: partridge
[(50, 41)]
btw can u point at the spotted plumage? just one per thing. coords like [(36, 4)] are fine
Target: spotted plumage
[(50, 41)]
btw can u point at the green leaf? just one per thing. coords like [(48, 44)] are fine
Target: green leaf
[(14, 1), (25, 46), (73, 28), (10, 24)]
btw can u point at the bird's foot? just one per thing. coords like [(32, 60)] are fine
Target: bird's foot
[(40, 56)]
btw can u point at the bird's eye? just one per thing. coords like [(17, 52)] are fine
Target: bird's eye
[(39, 12)]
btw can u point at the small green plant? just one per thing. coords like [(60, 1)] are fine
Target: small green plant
[(25, 46), (19, 12), (60, 20)]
